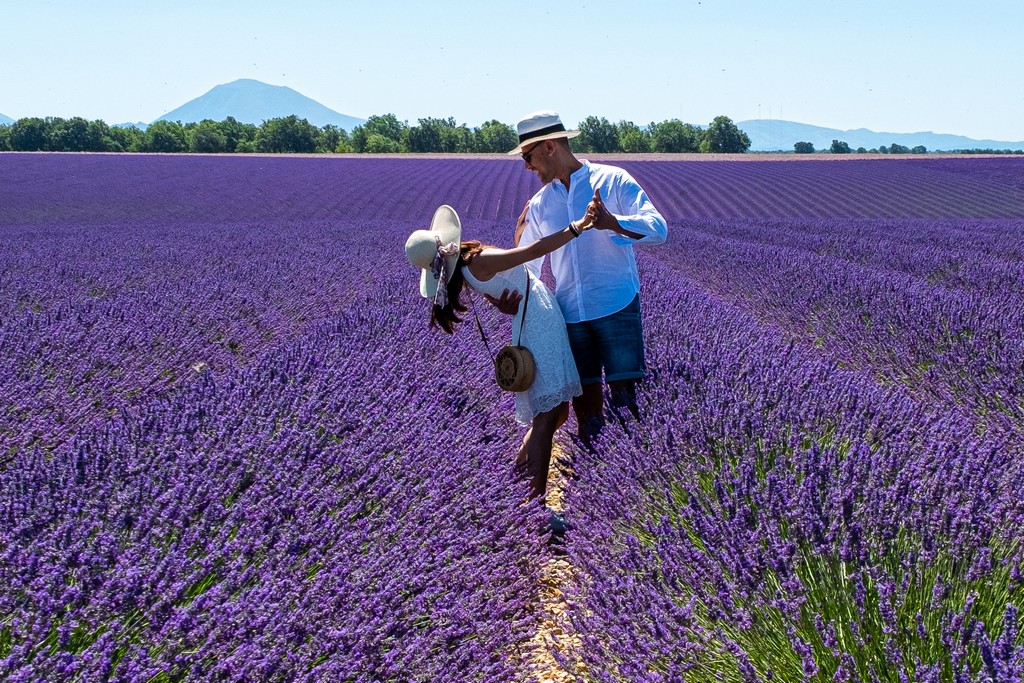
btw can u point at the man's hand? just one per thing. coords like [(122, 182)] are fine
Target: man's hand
[(508, 303), (602, 218)]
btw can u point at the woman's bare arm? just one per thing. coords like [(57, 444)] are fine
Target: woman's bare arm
[(493, 260)]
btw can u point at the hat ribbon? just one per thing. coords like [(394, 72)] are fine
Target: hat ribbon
[(556, 128), (439, 268)]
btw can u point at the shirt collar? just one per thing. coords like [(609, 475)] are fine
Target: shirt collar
[(580, 173)]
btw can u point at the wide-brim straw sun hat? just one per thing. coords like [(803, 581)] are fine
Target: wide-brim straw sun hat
[(422, 246), (539, 126)]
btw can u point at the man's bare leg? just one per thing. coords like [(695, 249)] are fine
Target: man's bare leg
[(589, 409), (623, 393)]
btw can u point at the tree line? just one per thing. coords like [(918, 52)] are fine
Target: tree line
[(379, 135), (842, 147)]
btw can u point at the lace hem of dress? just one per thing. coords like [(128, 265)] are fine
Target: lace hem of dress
[(542, 404)]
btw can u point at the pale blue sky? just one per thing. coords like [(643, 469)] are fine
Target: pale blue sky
[(892, 65)]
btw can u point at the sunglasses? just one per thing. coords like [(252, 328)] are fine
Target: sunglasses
[(526, 155)]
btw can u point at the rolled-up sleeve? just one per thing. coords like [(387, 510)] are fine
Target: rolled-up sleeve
[(638, 215)]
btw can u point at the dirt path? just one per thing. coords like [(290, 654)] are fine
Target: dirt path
[(555, 631)]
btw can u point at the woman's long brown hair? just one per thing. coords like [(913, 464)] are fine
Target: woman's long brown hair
[(445, 317)]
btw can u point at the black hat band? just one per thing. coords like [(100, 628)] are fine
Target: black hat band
[(557, 128)]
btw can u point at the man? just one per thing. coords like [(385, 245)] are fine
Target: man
[(596, 281)]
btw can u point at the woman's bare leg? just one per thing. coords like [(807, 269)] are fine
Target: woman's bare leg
[(538, 446), (523, 453)]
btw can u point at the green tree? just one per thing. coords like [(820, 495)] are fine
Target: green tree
[(723, 136), (861, 150), (289, 134), (164, 137), (377, 143), (440, 135), (803, 148), (5, 138), (633, 139), (495, 137), (31, 134), (104, 133), (839, 147), (387, 126), (237, 133), (207, 137), (330, 138), (78, 135), (919, 149), (426, 137), (125, 139), (673, 136), (456, 138), (358, 139), (344, 144), (390, 127), (898, 149), (597, 135)]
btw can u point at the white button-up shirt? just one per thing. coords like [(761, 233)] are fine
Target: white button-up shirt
[(595, 274)]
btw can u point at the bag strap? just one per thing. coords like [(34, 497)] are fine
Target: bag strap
[(526, 301), (480, 327)]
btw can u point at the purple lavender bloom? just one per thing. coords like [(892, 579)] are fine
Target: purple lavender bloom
[(221, 414)]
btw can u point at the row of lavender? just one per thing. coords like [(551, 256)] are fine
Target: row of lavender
[(287, 283), (101, 308), (777, 517), (926, 188), (41, 190), (780, 516), (95, 320), (215, 469), (934, 305)]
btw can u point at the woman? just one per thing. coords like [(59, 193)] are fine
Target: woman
[(445, 258)]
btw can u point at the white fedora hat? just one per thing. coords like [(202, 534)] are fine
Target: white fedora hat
[(422, 247), (541, 125)]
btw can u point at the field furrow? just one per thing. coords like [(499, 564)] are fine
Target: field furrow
[(232, 448)]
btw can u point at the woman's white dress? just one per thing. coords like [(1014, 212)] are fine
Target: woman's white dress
[(557, 379)]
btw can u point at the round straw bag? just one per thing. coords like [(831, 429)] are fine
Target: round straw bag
[(514, 368)]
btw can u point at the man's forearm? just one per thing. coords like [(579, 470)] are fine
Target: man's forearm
[(650, 226)]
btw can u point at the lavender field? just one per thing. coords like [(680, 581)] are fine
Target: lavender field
[(231, 449)]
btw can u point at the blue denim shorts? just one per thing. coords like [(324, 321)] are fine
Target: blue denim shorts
[(612, 346)]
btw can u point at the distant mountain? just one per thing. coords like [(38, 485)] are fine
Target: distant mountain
[(5, 120), (138, 124), (772, 135), (254, 102)]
